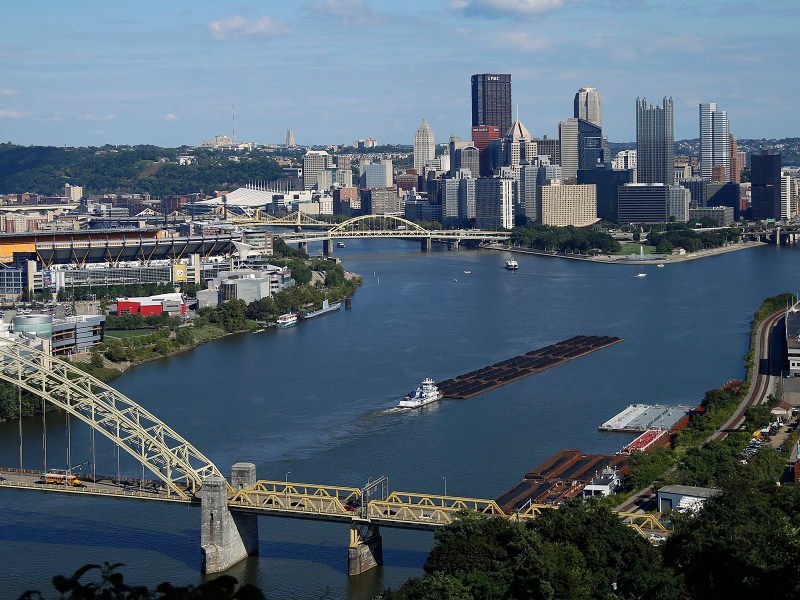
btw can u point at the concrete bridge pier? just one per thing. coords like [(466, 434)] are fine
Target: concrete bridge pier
[(366, 548), (427, 244), (225, 538), (302, 246), (327, 248)]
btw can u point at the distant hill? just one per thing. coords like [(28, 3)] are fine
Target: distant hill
[(127, 170), (155, 170)]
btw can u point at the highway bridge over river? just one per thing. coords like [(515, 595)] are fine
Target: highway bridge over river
[(179, 473)]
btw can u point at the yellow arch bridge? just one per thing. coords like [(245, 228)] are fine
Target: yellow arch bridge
[(391, 226), (180, 473)]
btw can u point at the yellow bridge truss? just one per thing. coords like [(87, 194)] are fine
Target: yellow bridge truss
[(183, 468), (151, 442)]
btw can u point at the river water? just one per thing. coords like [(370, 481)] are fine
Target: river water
[(315, 403)]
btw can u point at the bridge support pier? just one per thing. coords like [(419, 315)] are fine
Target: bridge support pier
[(225, 538), (366, 548), (427, 244), (302, 246), (327, 248)]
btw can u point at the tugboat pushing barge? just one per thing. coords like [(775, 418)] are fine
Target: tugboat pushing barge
[(426, 393)]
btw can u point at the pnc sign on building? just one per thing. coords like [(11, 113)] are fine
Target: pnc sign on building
[(493, 78)]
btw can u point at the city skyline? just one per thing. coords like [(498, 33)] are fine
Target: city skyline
[(168, 74)]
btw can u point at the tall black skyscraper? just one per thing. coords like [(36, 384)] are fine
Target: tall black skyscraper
[(491, 101), (765, 178)]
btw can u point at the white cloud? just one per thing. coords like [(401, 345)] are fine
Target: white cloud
[(170, 117), (7, 113), (52, 119), (505, 8), (522, 40), (238, 27), (90, 117), (8, 93), (349, 12)]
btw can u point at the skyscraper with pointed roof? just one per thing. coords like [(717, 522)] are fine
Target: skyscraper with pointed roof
[(424, 145)]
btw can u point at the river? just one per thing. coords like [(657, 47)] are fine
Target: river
[(314, 403)]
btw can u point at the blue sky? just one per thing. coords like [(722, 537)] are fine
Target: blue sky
[(98, 72)]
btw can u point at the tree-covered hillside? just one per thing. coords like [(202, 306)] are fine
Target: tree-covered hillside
[(126, 170)]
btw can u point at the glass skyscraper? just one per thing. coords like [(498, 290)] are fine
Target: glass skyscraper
[(655, 142)]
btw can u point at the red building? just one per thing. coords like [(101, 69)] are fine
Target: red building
[(171, 304), (482, 135)]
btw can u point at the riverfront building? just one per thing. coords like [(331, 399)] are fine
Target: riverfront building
[(643, 203), (565, 205)]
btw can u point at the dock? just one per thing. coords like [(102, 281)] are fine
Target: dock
[(488, 378), (561, 477), (641, 417)]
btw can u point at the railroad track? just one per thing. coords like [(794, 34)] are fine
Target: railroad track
[(757, 394), (760, 387)]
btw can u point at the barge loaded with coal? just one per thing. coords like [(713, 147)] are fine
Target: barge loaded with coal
[(535, 361)]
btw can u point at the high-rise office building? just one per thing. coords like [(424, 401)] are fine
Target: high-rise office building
[(494, 203), (424, 145), (550, 147), (655, 142), (765, 179), (587, 106), (314, 163), (567, 205), (568, 142), (290, 139), (513, 149), (379, 175), (491, 101), (469, 159), (482, 136), (736, 165), (582, 146), (607, 181), (715, 143)]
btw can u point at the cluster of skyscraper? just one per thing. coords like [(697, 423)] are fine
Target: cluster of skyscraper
[(573, 180), (503, 175)]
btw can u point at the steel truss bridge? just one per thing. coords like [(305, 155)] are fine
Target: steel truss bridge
[(178, 469)]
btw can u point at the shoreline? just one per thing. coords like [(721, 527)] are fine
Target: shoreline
[(648, 259)]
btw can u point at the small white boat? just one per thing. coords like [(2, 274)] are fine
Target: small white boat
[(286, 320), (340, 245), (467, 272), (660, 265), (641, 275), (511, 264)]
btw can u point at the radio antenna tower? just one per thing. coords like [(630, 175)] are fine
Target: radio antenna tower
[(233, 117)]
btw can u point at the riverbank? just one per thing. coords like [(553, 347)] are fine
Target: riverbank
[(647, 259)]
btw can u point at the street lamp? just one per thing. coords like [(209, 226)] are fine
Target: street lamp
[(445, 484), (286, 489)]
